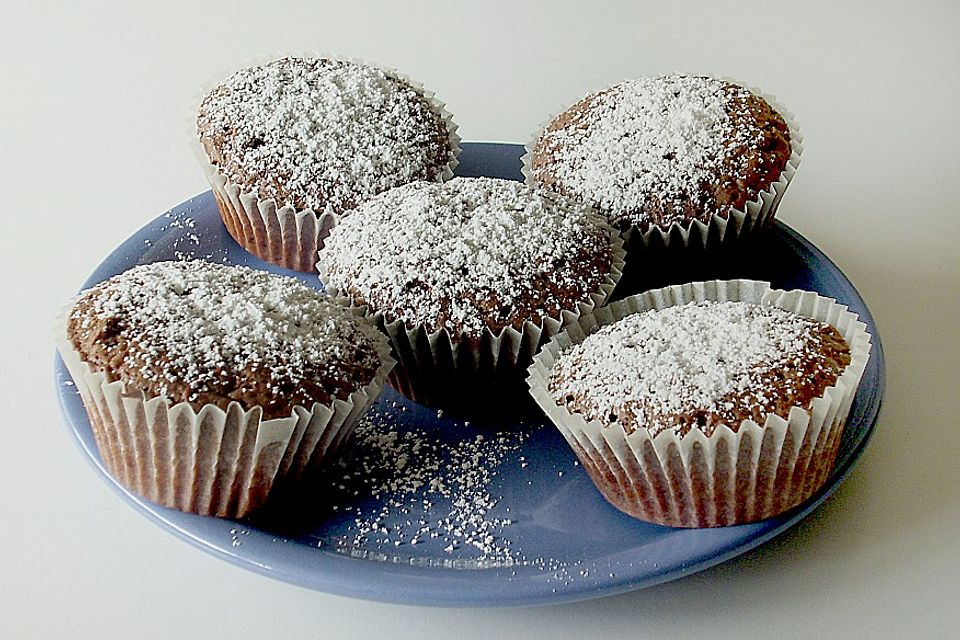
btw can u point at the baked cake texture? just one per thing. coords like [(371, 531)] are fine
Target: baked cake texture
[(320, 133), (699, 365), (468, 256), (291, 145), (485, 266), (203, 333), (208, 385), (667, 150), (708, 403)]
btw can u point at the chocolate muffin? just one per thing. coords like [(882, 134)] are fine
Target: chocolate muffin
[(698, 366), (318, 136), (469, 276), (708, 404), (265, 372), (670, 150)]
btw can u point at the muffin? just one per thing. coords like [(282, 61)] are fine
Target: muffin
[(469, 277), (705, 404), (207, 384), (291, 145), (672, 159)]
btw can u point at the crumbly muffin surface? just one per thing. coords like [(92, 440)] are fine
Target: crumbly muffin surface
[(204, 333), (468, 255), (697, 366), (322, 134), (664, 150)]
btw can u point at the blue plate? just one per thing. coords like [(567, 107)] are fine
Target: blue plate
[(553, 538)]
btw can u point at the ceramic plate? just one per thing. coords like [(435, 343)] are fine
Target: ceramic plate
[(456, 510)]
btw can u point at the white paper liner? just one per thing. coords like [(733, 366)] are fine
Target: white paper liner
[(211, 461), (286, 236), (439, 369), (719, 230), (729, 477)]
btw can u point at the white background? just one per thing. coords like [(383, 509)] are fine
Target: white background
[(96, 101)]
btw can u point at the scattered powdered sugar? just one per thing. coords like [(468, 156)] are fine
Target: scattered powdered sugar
[(656, 139), (193, 323), (453, 255), (428, 492), (236, 536), (322, 133), (687, 359), (408, 496)]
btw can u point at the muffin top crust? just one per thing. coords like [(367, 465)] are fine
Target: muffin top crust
[(697, 366), (211, 334), (664, 150), (468, 255), (322, 134)]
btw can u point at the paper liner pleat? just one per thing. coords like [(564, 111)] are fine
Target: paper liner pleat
[(729, 477), (211, 461), (737, 225), (286, 236), (437, 368)]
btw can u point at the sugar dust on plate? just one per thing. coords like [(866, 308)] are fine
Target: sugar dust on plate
[(450, 484)]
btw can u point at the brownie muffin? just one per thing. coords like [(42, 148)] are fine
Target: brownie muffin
[(266, 372), (670, 150), (469, 276), (707, 404), (698, 366), (317, 136)]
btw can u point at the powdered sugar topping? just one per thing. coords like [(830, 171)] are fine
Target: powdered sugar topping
[(659, 368), (198, 326), (653, 141), (322, 133), (466, 255)]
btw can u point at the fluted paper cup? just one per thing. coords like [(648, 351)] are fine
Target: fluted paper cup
[(735, 475), (209, 461), (739, 224), (286, 236), (442, 369)]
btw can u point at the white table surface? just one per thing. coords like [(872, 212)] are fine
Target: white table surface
[(94, 111)]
